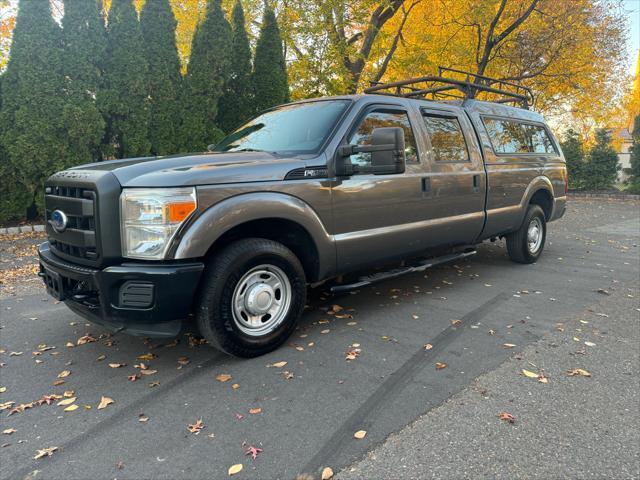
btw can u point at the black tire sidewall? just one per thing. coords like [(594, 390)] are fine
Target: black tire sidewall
[(223, 279), (534, 211)]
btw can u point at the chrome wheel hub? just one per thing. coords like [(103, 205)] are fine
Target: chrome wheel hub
[(535, 235), (261, 300)]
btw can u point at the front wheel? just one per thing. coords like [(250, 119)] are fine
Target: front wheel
[(525, 245), (253, 294)]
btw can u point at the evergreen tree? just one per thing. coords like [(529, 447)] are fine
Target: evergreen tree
[(270, 70), (123, 100), (635, 157), (206, 76), (236, 104), (84, 45), (602, 167), (158, 25), (573, 149), (31, 130)]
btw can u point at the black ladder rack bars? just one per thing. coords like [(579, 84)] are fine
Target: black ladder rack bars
[(441, 85)]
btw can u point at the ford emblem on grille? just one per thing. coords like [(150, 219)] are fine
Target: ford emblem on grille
[(58, 221)]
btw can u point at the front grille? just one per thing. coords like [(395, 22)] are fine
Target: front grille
[(79, 237)]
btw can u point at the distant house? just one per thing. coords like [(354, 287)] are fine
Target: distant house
[(625, 140)]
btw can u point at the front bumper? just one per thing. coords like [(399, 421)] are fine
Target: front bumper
[(147, 299)]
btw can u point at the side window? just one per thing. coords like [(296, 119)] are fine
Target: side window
[(447, 139), (507, 136), (540, 141), (383, 118)]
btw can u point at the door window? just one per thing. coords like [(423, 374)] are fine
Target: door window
[(378, 119), (447, 140)]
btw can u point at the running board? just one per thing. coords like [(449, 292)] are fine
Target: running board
[(398, 272)]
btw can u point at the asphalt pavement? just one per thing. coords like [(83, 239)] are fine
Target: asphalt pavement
[(361, 366)]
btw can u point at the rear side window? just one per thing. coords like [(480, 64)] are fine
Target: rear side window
[(447, 139), (510, 136)]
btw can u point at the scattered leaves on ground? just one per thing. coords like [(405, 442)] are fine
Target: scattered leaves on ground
[(196, 427), (507, 417), (104, 401)]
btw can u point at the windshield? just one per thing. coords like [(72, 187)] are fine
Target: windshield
[(297, 128)]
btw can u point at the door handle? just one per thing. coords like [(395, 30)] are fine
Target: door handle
[(476, 183), (426, 184)]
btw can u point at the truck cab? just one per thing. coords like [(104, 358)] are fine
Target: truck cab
[(301, 195)]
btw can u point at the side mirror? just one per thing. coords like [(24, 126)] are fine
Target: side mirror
[(387, 153)]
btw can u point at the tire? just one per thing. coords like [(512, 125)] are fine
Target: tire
[(519, 246), (252, 295)]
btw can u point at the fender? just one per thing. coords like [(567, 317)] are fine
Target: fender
[(538, 183), (234, 211)]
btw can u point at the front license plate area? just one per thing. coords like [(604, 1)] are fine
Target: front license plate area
[(53, 282)]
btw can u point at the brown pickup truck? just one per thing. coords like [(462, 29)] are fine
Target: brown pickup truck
[(305, 193)]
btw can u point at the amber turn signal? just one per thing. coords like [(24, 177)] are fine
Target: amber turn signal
[(180, 210)]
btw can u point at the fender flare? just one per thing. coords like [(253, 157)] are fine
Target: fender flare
[(538, 183), (231, 212)]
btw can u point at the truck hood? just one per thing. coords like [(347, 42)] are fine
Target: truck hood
[(198, 169)]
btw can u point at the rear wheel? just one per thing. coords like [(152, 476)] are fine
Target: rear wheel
[(525, 245), (252, 297)]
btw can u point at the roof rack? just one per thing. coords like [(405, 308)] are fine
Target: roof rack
[(446, 85)]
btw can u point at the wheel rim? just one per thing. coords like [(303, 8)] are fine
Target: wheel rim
[(535, 234), (261, 300)]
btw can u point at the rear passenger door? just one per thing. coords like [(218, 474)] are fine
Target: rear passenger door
[(456, 194)]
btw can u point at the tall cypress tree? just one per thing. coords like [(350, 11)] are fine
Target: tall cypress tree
[(270, 70), (158, 25), (84, 45), (31, 129), (206, 76), (236, 104), (124, 98)]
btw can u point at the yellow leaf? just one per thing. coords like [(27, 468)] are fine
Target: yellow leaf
[(223, 377), (255, 411), (66, 401), (116, 365), (440, 365), (530, 374), (71, 408), (278, 364), (327, 473), (428, 346), (360, 434), (3, 389), (508, 345), (233, 469), (578, 372), (146, 356), (148, 372), (104, 401), (64, 374), (9, 431), (235, 386)]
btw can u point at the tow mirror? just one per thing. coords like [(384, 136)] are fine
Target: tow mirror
[(387, 153)]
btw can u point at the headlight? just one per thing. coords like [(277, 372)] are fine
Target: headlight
[(150, 218)]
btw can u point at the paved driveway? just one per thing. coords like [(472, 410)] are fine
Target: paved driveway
[(302, 415)]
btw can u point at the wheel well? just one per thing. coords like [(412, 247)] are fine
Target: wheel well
[(544, 200), (287, 232)]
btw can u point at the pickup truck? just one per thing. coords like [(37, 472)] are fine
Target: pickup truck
[(305, 193)]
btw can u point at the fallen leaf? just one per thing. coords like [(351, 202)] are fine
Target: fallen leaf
[(428, 346), (578, 372), (456, 322), (68, 393), (235, 386), (86, 339), (327, 473), (104, 401), (278, 364), (530, 374), (223, 377), (233, 469), (196, 427), (507, 417), (508, 345), (133, 378), (287, 375), (440, 365), (6, 405), (143, 418), (3, 389), (66, 401), (45, 452), (117, 365), (71, 408), (360, 434), (336, 308), (146, 356), (9, 431), (590, 344), (64, 374), (148, 372), (255, 411), (352, 354), (15, 354), (325, 331), (184, 361), (253, 451)]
